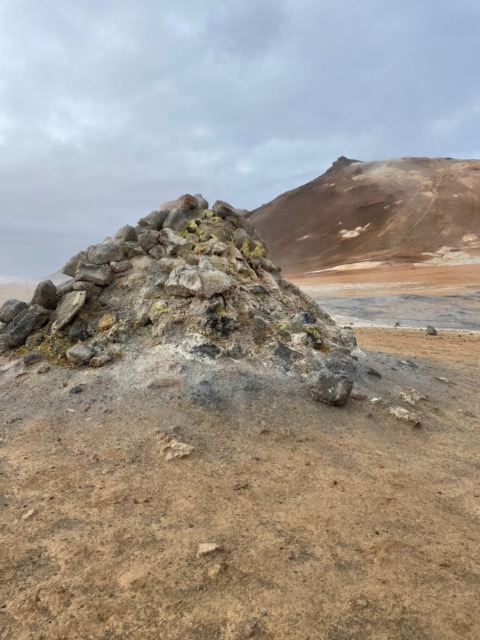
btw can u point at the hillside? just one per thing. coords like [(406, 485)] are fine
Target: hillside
[(409, 210)]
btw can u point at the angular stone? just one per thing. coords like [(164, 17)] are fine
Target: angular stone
[(25, 323), (431, 331), (154, 220), (98, 274), (201, 202), (214, 282), (167, 236), (120, 267), (93, 291), (191, 281), (71, 265), (240, 236), (106, 252), (45, 295), (148, 239), (67, 309), (10, 309), (175, 220), (328, 387), (2, 326), (64, 287), (184, 282), (157, 252), (101, 360), (223, 209), (127, 234), (79, 354)]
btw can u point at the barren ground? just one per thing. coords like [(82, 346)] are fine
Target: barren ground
[(333, 523)]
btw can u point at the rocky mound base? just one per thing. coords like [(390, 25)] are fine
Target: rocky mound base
[(191, 280)]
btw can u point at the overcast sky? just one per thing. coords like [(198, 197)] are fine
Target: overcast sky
[(108, 108)]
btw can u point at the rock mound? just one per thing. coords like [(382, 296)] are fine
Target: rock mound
[(186, 278)]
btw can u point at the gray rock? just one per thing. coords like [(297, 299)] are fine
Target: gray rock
[(45, 295), (260, 329), (431, 331), (168, 237), (32, 358), (64, 287), (93, 291), (192, 281), (120, 267), (79, 354), (240, 236), (348, 336), (154, 220), (184, 282), (202, 203), (328, 387), (26, 322), (44, 368), (67, 309), (2, 326), (71, 265), (98, 274), (223, 209), (175, 220), (137, 251), (148, 239), (127, 234), (100, 360), (78, 330), (106, 252), (10, 309), (157, 252)]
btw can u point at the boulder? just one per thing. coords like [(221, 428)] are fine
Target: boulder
[(92, 290), (175, 220), (169, 237), (79, 354), (106, 252), (64, 287), (11, 309), (154, 220), (328, 387), (98, 274), (120, 267), (201, 202), (148, 239), (191, 281), (127, 234), (223, 209), (157, 252), (71, 265), (25, 323), (68, 307), (431, 331), (45, 295)]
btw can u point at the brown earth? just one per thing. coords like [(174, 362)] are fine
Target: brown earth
[(332, 523), (410, 210)]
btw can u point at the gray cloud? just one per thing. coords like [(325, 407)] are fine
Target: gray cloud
[(107, 109)]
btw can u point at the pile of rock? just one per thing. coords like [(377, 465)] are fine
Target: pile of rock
[(188, 278)]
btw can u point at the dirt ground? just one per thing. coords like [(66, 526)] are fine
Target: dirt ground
[(393, 278), (331, 523)]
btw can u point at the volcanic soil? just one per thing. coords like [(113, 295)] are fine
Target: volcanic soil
[(330, 523)]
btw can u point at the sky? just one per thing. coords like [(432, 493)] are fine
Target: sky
[(108, 109)]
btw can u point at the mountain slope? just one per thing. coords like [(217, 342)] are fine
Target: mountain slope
[(405, 210)]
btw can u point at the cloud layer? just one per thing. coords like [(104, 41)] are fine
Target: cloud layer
[(109, 108)]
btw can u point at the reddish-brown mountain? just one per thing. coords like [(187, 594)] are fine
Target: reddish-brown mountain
[(406, 210)]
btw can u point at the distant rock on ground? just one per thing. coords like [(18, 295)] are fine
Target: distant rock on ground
[(188, 279)]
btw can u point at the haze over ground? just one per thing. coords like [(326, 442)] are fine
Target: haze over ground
[(107, 110)]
